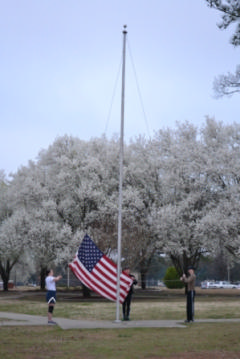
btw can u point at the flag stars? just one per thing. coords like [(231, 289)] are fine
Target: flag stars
[(88, 253)]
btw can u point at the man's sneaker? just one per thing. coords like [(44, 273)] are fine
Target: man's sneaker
[(52, 322)]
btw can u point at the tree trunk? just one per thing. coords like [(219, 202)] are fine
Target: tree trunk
[(5, 274), (5, 284), (143, 280), (144, 266), (42, 277), (86, 292), (182, 262)]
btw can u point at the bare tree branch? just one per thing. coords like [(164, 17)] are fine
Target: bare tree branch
[(227, 85)]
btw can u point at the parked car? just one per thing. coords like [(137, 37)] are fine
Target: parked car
[(225, 285), (207, 284)]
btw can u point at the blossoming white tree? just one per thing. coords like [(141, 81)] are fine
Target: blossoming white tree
[(180, 195)]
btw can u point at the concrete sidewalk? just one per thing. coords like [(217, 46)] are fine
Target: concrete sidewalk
[(15, 319)]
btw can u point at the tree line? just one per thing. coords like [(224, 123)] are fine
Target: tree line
[(181, 192)]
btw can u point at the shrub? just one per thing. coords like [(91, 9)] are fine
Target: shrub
[(172, 280)]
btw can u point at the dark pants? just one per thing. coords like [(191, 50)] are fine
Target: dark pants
[(190, 305), (126, 306)]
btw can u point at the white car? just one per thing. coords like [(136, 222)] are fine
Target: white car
[(224, 284), (208, 284)]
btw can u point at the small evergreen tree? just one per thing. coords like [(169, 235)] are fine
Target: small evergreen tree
[(172, 280)]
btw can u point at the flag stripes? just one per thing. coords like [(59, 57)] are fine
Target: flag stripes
[(102, 276)]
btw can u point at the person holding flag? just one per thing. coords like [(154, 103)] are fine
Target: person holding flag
[(190, 282), (127, 302), (98, 272)]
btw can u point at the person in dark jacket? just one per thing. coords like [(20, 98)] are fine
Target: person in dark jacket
[(127, 302), (190, 281)]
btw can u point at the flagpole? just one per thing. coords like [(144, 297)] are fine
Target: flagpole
[(121, 175)]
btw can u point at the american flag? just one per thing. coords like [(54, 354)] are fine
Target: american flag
[(95, 270)]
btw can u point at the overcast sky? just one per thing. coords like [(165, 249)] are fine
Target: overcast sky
[(60, 61)]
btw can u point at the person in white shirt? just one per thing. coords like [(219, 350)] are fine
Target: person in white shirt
[(50, 283)]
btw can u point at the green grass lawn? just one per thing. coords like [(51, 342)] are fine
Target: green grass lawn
[(166, 305), (208, 340), (198, 340)]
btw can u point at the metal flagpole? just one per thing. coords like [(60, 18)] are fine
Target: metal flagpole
[(121, 175)]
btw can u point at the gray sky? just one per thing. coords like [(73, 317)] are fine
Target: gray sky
[(60, 61)]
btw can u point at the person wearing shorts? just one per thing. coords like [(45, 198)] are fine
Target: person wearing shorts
[(50, 283)]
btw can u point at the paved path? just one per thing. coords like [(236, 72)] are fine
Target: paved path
[(15, 319)]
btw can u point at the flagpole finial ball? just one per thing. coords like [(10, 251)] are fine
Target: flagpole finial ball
[(124, 29)]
